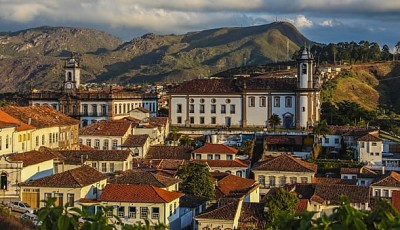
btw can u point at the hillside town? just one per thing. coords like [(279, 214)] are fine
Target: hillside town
[(200, 155)]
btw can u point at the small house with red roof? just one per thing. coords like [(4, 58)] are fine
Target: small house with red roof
[(384, 185), (369, 149), (137, 203), (214, 152), (281, 170)]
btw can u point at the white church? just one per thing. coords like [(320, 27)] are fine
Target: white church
[(249, 102)]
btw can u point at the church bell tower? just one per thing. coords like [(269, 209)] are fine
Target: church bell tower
[(71, 74)]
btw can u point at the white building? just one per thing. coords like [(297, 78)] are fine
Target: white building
[(369, 149), (90, 106), (249, 102)]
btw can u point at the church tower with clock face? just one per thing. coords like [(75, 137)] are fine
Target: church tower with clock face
[(72, 74)]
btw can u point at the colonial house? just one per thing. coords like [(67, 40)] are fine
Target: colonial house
[(53, 129), (144, 177), (282, 170), (90, 106), (15, 135), (106, 135), (156, 127), (238, 167), (138, 145), (227, 184), (369, 149), (384, 185), (137, 203), (139, 113), (324, 198), (105, 161), (189, 207), (249, 102), (67, 187), (363, 176), (214, 152), (21, 167)]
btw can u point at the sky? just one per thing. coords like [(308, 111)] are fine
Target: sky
[(324, 21)]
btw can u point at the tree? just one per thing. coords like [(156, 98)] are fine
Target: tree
[(186, 141), (321, 129), (280, 201), (247, 148), (385, 53), (196, 180), (274, 120)]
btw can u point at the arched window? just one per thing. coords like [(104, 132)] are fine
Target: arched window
[(3, 181), (304, 69), (69, 76)]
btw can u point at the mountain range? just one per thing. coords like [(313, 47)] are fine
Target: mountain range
[(34, 58)]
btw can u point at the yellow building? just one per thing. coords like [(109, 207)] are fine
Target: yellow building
[(135, 203), (68, 187)]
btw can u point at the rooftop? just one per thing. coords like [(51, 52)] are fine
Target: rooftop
[(106, 128), (142, 177), (168, 152), (216, 148), (285, 163)]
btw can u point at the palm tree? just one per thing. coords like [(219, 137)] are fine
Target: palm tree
[(320, 129), (274, 120)]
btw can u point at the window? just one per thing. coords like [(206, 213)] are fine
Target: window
[(191, 100), (104, 167), (109, 212), (373, 143), (174, 207), (288, 102), (43, 139), (114, 144), (103, 110), (377, 192), (263, 102), (228, 101), (3, 181), (304, 180), (209, 156), (85, 110), (202, 100), (213, 108), (89, 142), (59, 199), (252, 101), (217, 157), (336, 140), (213, 100), (37, 140), (213, 120), (47, 196), (223, 109), (293, 180), (362, 144), (179, 108), (144, 211), (179, 120), (277, 101), (105, 145), (94, 110), (232, 109), (7, 142), (229, 157), (282, 180), (191, 108), (376, 154), (326, 140), (132, 212), (191, 120), (261, 180), (70, 199), (272, 180), (201, 120), (155, 213), (96, 144), (201, 108), (121, 211), (111, 167), (304, 69), (94, 165)]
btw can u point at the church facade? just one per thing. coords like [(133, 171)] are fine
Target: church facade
[(90, 106), (249, 102)]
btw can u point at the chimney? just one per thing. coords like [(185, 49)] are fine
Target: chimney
[(29, 120), (383, 170)]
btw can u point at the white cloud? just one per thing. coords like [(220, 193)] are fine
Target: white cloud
[(301, 22)]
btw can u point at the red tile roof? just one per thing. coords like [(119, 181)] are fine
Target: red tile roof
[(31, 157), (302, 205), (333, 192), (252, 216), (142, 177), (216, 148), (9, 121), (225, 163), (74, 178), (396, 199), (220, 212), (135, 140), (285, 163), (363, 172), (106, 128), (75, 157), (232, 183), (168, 152), (40, 116), (7, 124), (369, 137), (329, 180), (389, 180), (137, 194), (284, 140)]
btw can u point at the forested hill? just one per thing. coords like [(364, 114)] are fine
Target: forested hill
[(35, 56)]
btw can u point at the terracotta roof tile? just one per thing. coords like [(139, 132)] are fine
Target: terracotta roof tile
[(220, 212), (285, 163), (74, 178), (75, 156), (396, 199), (168, 152), (158, 121), (332, 192), (40, 116), (137, 194), (189, 201), (224, 163), (369, 137), (106, 128), (329, 180), (284, 140), (252, 216), (302, 205), (9, 121), (135, 140), (141, 177), (363, 172), (231, 183), (390, 180), (31, 157), (216, 148)]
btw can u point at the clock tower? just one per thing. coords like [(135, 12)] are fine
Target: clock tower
[(72, 74)]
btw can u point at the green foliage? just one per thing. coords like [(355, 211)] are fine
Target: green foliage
[(186, 141), (383, 217), (247, 148), (274, 121), (281, 201), (196, 180), (346, 113)]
